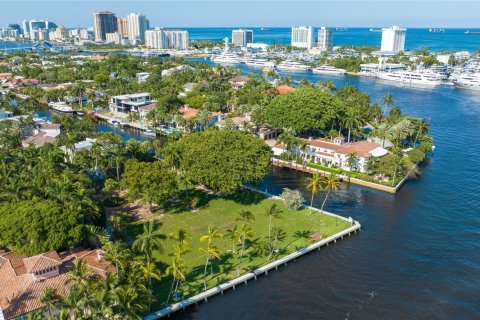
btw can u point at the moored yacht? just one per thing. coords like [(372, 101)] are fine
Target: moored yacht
[(426, 78), (327, 69), (262, 63), (61, 107), (293, 66), (467, 81), (227, 58)]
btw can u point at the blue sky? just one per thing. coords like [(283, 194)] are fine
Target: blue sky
[(234, 13)]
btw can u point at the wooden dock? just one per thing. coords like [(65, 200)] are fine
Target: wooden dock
[(243, 279)]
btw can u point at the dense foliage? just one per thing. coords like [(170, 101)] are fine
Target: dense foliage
[(223, 160), (37, 226)]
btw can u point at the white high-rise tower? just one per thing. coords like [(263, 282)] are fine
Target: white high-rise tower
[(393, 39), (303, 37)]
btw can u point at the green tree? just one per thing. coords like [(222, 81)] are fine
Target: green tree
[(223, 160), (314, 185), (329, 184), (272, 212), (149, 240), (153, 182), (211, 251)]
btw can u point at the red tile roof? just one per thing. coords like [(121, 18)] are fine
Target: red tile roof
[(188, 112), (284, 89), (360, 148)]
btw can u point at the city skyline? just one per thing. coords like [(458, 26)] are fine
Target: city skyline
[(191, 14)]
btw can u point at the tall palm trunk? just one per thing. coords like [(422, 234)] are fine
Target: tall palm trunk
[(205, 273), (270, 230), (349, 135), (171, 290), (241, 256)]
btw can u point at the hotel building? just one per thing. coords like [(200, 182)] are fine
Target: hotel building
[(393, 39), (241, 37), (104, 22), (303, 37), (166, 39)]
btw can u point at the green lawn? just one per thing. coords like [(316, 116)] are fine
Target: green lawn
[(222, 212)]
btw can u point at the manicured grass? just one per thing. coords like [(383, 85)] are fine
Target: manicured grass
[(223, 212)]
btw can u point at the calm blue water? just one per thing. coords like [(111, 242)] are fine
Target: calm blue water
[(452, 39)]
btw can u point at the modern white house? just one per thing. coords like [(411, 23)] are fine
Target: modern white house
[(142, 76), (336, 152), (129, 102)]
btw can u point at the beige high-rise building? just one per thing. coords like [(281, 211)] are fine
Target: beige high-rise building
[(122, 26)]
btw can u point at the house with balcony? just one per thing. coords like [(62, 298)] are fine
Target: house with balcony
[(335, 152), (130, 102)]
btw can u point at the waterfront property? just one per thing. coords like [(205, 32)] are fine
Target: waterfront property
[(23, 280), (295, 227), (130, 102), (336, 153)]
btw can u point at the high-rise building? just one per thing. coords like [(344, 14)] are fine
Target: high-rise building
[(242, 37), (166, 39), (325, 38), (137, 25), (303, 37), (25, 27), (104, 22), (86, 34), (61, 33), (122, 27), (393, 39), (116, 38)]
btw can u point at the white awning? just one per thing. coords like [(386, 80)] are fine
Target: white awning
[(378, 152)]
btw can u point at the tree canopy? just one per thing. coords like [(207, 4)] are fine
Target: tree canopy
[(35, 226), (223, 160), (302, 110)]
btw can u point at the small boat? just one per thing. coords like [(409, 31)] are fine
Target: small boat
[(472, 32), (343, 29), (114, 123), (375, 30), (150, 133), (436, 30), (266, 29), (80, 113)]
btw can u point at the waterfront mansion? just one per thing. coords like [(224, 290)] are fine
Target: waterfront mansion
[(336, 152)]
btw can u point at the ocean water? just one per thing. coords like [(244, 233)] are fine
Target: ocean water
[(452, 39)]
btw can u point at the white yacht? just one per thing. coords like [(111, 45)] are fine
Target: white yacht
[(227, 58), (426, 78), (327, 69), (150, 133), (293, 66), (467, 81), (262, 63), (61, 107)]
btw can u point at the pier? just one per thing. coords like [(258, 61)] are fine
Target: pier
[(261, 271)]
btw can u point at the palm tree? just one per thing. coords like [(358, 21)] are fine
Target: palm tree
[(117, 155), (421, 128), (244, 233), (382, 132), (232, 234), (278, 234), (115, 253), (387, 100), (246, 216), (352, 159), (180, 236), (314, 185), (352, 120), (329, 184), (272, 212), (150, 271), (127, 303), (50, 298), (79, 91), (149, 240), (80, 274), (210, 251), (176, 270)]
